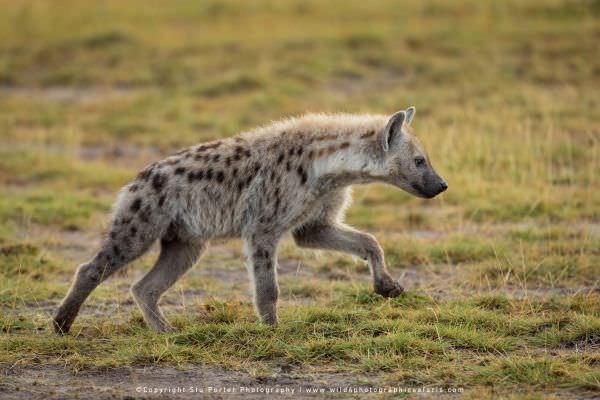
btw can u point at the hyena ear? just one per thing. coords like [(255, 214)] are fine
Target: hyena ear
[(393, 129), (410, 114)]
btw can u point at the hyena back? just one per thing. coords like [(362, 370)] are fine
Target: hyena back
[(293, 175)]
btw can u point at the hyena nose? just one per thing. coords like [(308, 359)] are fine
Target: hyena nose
[(443, 186)]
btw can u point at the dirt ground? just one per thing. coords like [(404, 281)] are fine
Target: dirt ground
[(139, 382), (158, 382)]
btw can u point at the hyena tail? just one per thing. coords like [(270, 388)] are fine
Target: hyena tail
[(130, 236)]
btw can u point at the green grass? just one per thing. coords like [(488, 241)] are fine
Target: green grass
[(352, 336), (71, 210), (502, 269)]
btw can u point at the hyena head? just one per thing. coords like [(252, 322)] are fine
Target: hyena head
[(406, 164)]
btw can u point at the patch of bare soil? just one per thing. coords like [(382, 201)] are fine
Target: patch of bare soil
[(161, 382), (158, 382)]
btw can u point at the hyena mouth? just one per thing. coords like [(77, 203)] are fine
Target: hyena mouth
[(420, 190)]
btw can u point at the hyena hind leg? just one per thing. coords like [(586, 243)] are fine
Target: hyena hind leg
[(176, 258), (107, 261)]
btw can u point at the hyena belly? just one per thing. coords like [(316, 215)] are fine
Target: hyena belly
[(205, 189), (200, 199), (221, 202)]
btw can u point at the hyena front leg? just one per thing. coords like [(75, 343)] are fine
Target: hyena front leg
[(262, 267), (343, 238), (176, 258)]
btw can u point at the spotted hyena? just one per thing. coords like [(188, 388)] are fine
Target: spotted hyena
[(293, 175)]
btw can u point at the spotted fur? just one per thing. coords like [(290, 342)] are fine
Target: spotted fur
[(291, 176)]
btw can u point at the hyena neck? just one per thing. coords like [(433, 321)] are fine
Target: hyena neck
[(354, 156)]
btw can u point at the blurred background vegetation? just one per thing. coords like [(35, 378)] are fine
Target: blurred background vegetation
[(507, 96), (506, 92)]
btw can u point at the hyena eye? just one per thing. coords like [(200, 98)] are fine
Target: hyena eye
[(419, 161)]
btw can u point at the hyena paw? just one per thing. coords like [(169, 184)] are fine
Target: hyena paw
[(161, 327), (270, 320), (388, 287), (62, 321), (166, 329), (61, 327)]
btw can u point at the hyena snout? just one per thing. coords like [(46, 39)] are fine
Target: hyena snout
[(443, 186), (433, 185), (440, 186)]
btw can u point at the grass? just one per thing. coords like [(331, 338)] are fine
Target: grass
[(390, 336), (502, 270)]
